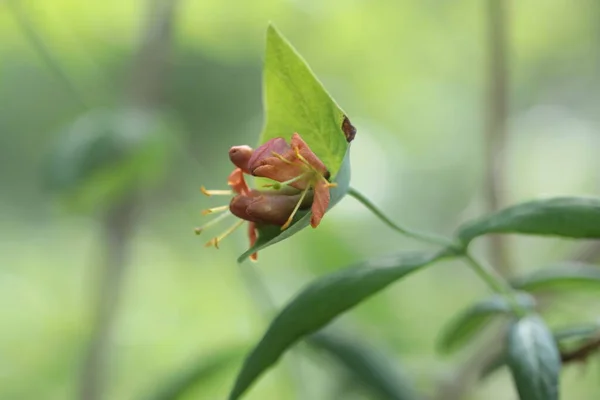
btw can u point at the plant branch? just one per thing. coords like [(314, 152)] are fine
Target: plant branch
[(42, 50), (496, 121), (423, 237), (495, 281), (582, 353)]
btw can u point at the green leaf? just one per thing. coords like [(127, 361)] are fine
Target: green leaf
[(295, 101), (533, 359), (462, 328), (366, 366), (185, 379), (270, 234), (572, 217), (577, 332), (565, 276), (320, 302)]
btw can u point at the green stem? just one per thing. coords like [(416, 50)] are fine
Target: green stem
[(496, 283), (423, 237)]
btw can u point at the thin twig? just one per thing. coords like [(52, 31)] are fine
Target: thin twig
[(581, 353), (496, 125)]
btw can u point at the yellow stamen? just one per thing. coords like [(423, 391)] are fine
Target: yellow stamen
[(282, 158), (215, 241), (277, 185), (221, 217), (215, 192), (289, 220), (215, 210)]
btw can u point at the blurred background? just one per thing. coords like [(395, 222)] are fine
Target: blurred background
[(114, 113)]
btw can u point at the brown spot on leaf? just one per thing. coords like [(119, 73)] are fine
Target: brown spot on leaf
[(349, 129)]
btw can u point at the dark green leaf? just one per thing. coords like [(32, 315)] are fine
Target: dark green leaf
[(319, 303), (534, 359), (269, 235), (564, 276), (572, 333), (462, 328), (564, 216), (367, 366), (577, 332), (177, 385)]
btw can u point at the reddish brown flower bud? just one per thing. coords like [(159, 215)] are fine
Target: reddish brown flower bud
[(240, 156), (266, 208)]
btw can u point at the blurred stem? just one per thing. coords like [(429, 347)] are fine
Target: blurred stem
[(148, 73), (259, 292), (37, 43), (423, 237), (118, 226), (496, 121), (495, 281)]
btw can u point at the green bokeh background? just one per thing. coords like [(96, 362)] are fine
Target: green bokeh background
[(410, 74)]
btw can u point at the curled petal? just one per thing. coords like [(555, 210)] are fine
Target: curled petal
[(237, 182), (252, 236), (320, 202), (240, 157), (310, 157), (265, 151), (281, 171)]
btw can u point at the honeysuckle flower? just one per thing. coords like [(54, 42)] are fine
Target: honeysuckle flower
[(301, 181), (297, 166)]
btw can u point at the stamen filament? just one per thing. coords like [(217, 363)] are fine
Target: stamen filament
[(278, 185), (282, 158), (215, 241), (216, 220), (289, 220), (215, 210), (215, 192)]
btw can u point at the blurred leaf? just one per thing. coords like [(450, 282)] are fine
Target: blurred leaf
[(572, 333), (270, 234), (462, 328), (534, 359), (366, 366), (577, 332), (564, 276), (295, 101), (104, 154), (564, 216), (319, 303), (177, 385)]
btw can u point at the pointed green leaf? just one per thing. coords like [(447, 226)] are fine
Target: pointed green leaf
[(320, 302), (367, 366), (295, 101), (563, 216), (534, 359), (462, 328), (565, 276)]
